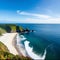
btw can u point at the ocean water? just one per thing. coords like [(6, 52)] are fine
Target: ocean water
[(44, 44)]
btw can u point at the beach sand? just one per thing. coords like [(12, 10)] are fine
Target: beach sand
[(8, 40), (13, 43), (19, 46)]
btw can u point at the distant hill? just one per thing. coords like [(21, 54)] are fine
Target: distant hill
[(9, 28)]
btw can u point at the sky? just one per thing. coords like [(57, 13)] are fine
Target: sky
[(30, 11)]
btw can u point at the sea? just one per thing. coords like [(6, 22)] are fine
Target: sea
[(43, 43)]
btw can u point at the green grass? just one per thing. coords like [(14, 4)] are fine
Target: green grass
[(5, 54), (13, 27), (3, 47), (2, 31), (7, 28)]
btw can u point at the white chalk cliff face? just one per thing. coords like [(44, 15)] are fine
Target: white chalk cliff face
[(31, 53)]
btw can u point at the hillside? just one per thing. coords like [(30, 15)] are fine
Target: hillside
[(4, 52)]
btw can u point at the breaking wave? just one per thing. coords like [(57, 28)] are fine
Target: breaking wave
[(31, 53)]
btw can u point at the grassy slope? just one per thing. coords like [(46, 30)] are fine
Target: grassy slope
[(4, 52), (7, 28)]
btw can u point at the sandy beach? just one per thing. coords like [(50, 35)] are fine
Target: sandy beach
[(8, 39), (13, 43), (18, 45)]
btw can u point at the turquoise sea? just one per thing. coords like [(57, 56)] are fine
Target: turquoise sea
[(44, 43)]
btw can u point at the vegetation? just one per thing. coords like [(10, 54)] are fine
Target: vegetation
[(13, 28), (5, 54), (21, 28), (2, 31), (7, 28)]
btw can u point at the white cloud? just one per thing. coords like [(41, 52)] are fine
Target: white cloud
[(47, 21), (39, 21), (40, 18), (18, 19), (31, 14), (31, 20)]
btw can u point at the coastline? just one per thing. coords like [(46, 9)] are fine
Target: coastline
[(16, 43), (10, 40)]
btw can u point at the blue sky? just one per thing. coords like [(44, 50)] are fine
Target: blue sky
[(29, 11)]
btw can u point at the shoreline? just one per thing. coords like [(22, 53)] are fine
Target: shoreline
[(7, 39), (14, 43), (20, 50), (10, 40)]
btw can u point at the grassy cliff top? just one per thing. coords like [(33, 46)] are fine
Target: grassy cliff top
[(7, 28)]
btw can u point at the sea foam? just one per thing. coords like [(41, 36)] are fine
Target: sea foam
[(32, 54), (29, 49), (20, 46)]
